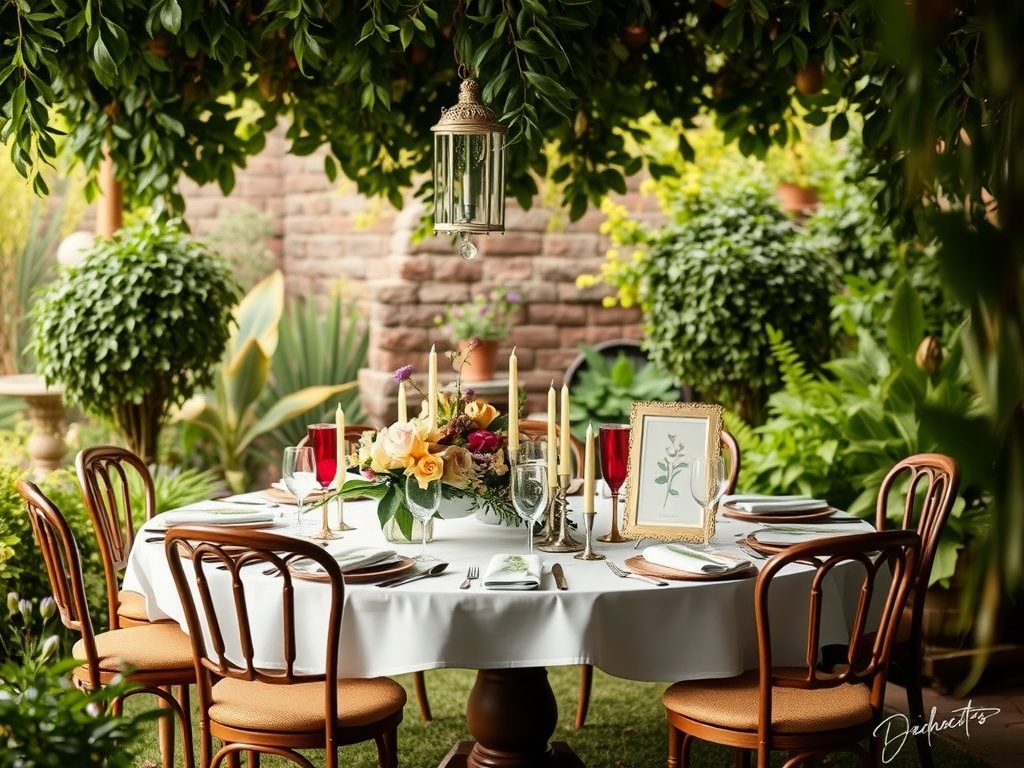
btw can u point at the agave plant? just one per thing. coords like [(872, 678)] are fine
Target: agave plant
[(229, 415)]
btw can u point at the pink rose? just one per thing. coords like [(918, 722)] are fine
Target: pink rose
[(482, 441)]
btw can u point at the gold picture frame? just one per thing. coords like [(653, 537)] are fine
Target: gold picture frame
[(664, 438)]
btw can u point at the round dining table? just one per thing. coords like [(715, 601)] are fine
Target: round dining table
[(626, 627)]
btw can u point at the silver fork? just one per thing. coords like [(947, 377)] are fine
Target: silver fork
[(624, 574), (473, 572), (751, 551)]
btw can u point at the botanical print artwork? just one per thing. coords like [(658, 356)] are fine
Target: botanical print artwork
[(665, 439), (671, 465)]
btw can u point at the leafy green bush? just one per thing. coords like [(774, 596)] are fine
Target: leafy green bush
[(137, 327), (834, 435), (605, 389), (711, 282), (21, 565)]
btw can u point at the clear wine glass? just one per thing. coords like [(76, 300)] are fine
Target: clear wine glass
[(613, 447), (298, 472), (530, 493), (324, 440), (707, 482), (423, 502)]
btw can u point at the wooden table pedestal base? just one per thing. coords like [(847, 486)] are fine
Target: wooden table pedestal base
[(512, 714)]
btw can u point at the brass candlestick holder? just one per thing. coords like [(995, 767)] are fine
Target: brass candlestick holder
[(558, 521), (588, 552)]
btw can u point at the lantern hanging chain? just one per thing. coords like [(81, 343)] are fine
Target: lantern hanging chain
[(457, 16)]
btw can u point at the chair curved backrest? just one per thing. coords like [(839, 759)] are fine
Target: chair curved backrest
[(537, 430), (731, 451), (225, 635), (928, 484), (196, 552), (885, 565), (107, 475), (63, 570)]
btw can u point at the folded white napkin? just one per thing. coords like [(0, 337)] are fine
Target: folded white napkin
[(221, 515), (512, 572), (780, 505), (784, 535), (739, 498), (683, 558), (350, 559)]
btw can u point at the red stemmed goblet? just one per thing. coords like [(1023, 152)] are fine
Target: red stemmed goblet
[(613, 446), (324, 440)]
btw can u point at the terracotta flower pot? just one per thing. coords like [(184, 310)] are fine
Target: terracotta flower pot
[(480, 363)]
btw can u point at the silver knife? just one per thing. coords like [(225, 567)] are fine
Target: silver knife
[(556, 571)]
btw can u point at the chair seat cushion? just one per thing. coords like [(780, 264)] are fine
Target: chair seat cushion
[(299, 707), (147, 647), (132, 606), (732, 703)]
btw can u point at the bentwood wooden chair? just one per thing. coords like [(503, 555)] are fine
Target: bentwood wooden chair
[(920, 490), (353, 433), (157, 656), (731, 451), (278, 711), (804, 710), (108, 474)]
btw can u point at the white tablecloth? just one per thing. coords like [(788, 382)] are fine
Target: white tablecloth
[(625, 627)]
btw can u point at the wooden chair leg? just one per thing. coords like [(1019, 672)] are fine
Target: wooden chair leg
[(187, 747), (915, 706), (387, 749), (420, 685), (674, 745), (583, 703), (165, 732)]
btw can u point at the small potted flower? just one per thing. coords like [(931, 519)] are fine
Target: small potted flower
[(486, 318)]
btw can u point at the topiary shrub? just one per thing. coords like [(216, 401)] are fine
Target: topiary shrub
[(711, 283), (136, 328)]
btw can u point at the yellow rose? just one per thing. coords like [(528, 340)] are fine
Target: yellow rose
[(458, 466), (428, 468), (482, 413)]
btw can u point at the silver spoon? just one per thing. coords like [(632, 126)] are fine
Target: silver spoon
[(435, 570)]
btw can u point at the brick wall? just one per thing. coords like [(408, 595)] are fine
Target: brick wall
[(328, 237)]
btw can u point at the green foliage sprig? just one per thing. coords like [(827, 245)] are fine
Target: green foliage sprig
[(136, 328)]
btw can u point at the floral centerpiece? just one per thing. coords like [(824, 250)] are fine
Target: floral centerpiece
[(488, 316), (466, 451)]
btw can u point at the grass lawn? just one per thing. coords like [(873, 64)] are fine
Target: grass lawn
[(625, 728)]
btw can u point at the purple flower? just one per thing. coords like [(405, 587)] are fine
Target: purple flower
[(513, 297), (403, 373)]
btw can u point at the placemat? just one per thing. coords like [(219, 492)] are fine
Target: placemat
[(637, 564), (361, 575), (766, 517)]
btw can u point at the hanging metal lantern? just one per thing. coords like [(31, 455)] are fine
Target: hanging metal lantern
[(469, 170)]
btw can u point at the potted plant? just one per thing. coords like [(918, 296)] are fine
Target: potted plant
[(487, 317), (136, 328)]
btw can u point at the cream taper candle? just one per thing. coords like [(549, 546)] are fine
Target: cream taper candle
[(513, 401), (403, 409), (564, 462), (552, 440), (432, 389), (588, 472)]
